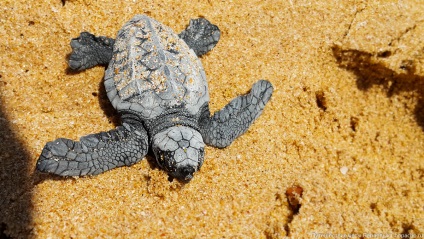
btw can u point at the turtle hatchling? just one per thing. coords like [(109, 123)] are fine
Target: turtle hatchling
[(156, 82)]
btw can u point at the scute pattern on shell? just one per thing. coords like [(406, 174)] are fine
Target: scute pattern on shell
[(152, 70)]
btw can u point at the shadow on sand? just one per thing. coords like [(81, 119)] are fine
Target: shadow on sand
[(370, 71), (15, 182)]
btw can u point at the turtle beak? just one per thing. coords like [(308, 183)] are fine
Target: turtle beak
[(186, 173)]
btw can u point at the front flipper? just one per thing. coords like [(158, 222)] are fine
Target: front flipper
[(201, 36), (234, 119), (89, 51), (94, 153)]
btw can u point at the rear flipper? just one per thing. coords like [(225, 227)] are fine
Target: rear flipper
[(234, 119), (95, 153), (201, 36), (89, 51)]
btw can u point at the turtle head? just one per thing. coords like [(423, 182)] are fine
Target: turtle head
[(179, 150)]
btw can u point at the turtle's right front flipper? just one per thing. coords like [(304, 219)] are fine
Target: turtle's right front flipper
[(89, 51), (94, 153)]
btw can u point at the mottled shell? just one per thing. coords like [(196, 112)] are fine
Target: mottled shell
[(152, 70)]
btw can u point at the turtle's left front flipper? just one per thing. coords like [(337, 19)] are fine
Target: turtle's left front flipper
[(95, 153), (234, 119), (201, 36)]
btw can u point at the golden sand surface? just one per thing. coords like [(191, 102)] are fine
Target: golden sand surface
[(345, 123)]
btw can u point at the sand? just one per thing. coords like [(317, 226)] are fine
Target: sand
[(345, 123)]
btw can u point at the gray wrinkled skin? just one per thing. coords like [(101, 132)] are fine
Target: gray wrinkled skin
[(157, 83)]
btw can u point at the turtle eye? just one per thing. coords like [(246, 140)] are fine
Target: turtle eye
[(160, 156), (165, 160), (201, 157)]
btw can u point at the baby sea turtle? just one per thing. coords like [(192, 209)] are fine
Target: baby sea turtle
[(156, 82)]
